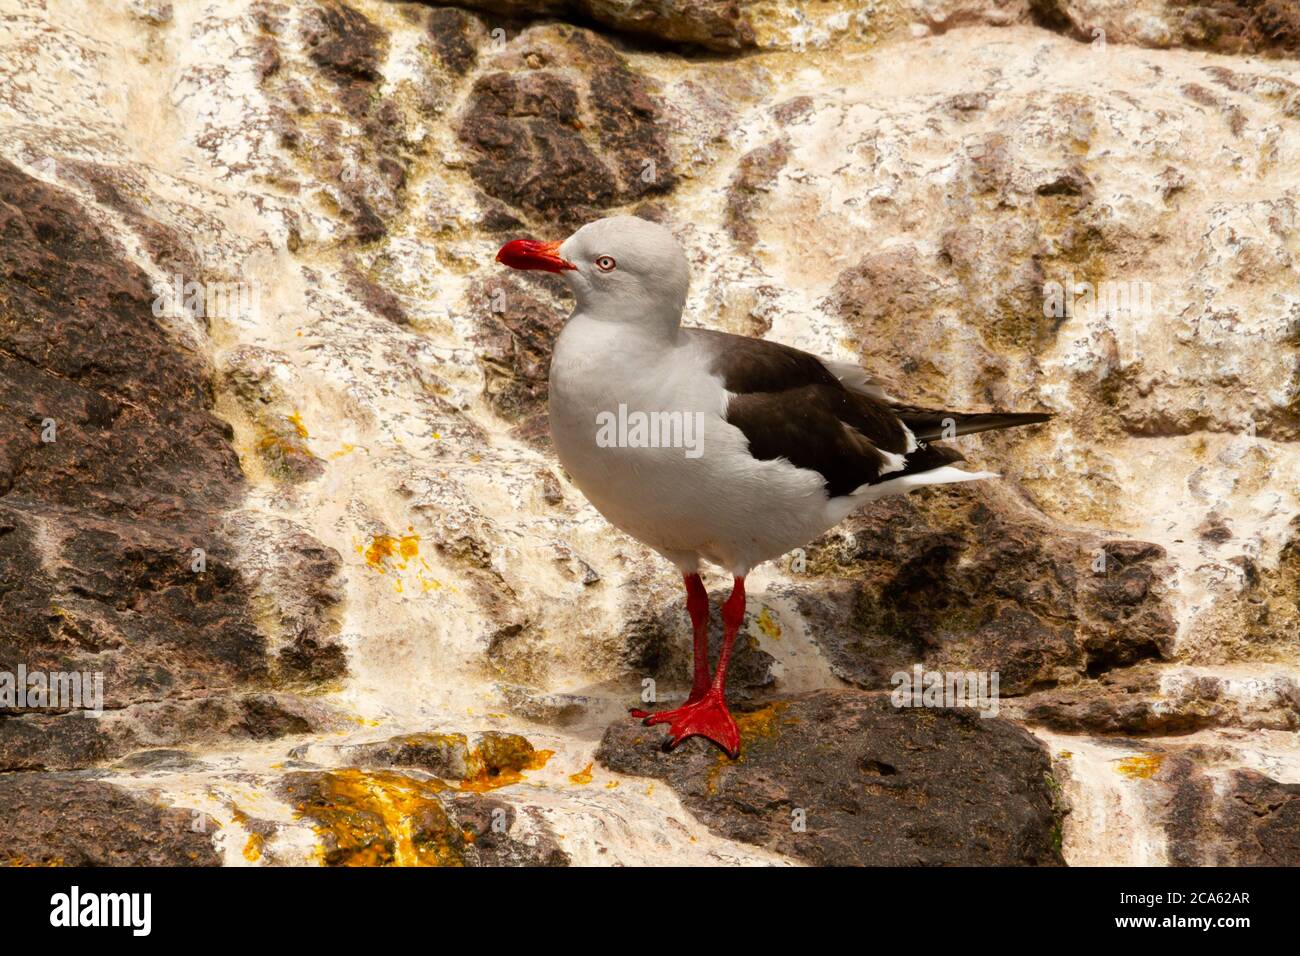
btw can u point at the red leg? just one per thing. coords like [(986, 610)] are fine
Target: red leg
[(697, 605), (708, 716)]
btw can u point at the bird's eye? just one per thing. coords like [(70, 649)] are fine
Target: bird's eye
[(606, 263)]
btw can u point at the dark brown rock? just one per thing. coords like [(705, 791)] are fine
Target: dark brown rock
[(964, 579), (722, 25), (489, 827), (341, 41), (516, 323), (344, 133), (453, 35), (115, 475), (298, 586), (1148, 700), (658, 643), (374, 296), (756, 172), (74, 820), (35, 741), (871, 784), (561, 154), (1245, 819), (1267, 27)]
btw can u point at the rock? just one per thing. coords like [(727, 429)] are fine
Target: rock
[(551, 708), (756, 172), (383, 818), (454, 36), (443, 755), (34, 741), (963, 580), (562, 129), (496, 838), (1268, 27), (1245, 819), (73, 820), (495, 759), (347, 139), (1147, 700), (115, 473), (515, 327), (341, 41), (659, 645), (298, 589), (160, 761), (712, 24), (868, 783)]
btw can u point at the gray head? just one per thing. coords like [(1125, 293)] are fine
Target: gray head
[(621, 269)]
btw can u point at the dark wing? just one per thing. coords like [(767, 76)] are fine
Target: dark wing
[(789, 405)]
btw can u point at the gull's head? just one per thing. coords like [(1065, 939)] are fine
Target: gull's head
[(621, 269)]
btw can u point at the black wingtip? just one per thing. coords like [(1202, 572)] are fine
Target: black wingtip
[(937, 426)]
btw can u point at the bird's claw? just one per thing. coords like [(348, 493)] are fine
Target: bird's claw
[(706, 717)]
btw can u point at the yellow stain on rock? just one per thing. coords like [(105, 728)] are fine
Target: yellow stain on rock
[(253, 848), (502, 763), (386, 547), (382, 818), (767, 624), (759, 723), (296, 420), (753, 725), (344, 449), (583, 776), (1141, 766), (24, 862)]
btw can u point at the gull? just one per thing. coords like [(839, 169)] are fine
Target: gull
[(713, 448)]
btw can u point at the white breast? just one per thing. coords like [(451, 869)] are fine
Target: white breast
[(703, 498)]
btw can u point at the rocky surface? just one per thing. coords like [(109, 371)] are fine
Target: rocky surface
[(839, 779), (273, 453), (76, 820), (923, 579), (387, 819), (1269, 27)]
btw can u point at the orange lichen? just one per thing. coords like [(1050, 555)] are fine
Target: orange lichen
[(386, 546), (759, 723), (23, 861), (753, 725), (767, 624), (583, 776), (1141, 766), (382, 818), (253, 848), (500, 762)]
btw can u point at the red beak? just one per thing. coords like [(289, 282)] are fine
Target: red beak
[(530, 254)]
